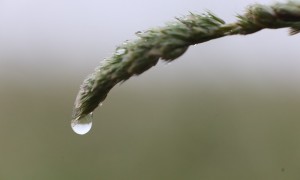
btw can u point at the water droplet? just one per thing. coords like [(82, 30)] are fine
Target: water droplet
[(120, 51), (83, 125), (101, 104)]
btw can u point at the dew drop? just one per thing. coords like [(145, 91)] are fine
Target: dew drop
[(120, 51), (83, 125)]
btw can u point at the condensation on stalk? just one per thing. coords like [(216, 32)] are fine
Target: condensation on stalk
[(83, 125)]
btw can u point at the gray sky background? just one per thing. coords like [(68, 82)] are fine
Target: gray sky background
[(64, 39)]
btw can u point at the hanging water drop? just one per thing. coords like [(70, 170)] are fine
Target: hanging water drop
[(83, 125)]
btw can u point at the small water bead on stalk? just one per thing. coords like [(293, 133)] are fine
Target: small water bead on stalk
[(120, 52), (83, 125)]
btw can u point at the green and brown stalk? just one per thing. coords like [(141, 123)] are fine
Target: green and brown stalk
[(169, 42)]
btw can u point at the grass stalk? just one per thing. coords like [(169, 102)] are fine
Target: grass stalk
[(171, 41)]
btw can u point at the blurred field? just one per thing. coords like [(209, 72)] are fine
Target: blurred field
[(158, 132)]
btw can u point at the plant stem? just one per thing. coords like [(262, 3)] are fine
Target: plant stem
[(169, 42)]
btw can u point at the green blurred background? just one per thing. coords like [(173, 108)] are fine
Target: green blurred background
[(227, 109)]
